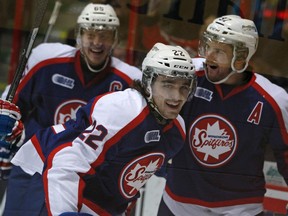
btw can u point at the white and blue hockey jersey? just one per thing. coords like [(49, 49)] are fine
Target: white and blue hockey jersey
[(227, 134), (102, 170), (53, 87)]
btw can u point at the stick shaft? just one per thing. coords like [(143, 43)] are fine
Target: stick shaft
[(40, 11), (53, 19)]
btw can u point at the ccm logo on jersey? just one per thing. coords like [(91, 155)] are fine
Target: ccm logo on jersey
[(63, 81), (137, 172), (203, 93), (212, 140)]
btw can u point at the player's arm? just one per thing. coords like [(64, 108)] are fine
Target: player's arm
[(279, 133), (64, 165), (69, 161)]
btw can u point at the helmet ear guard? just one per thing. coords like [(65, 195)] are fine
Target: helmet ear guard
[(240, 61), (147, 80), (241, 54)]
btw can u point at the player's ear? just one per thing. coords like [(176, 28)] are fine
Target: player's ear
[(241, 58)]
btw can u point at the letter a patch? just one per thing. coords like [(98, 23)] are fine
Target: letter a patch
[(255, 115)]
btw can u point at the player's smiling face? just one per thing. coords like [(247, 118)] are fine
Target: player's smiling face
[(96, 45), (170, 94), (218, 60)]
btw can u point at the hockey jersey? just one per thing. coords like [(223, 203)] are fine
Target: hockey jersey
[(53, 87), (227, 134), (103, 169)]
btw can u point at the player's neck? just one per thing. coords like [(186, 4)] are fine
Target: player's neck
[(238, 79), (87, 73)]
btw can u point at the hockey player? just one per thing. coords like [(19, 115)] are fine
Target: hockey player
[(123, 139), (234, 114), (59, 79)]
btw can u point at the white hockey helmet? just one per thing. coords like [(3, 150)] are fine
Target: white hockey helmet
[(98, 16), (170, 61), (232, 29)]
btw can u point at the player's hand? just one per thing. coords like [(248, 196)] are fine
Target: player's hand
[(9, 147), (11, 135), (9, 114)]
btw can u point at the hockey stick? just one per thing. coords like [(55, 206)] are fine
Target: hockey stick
[(40, 11), (53, 19)]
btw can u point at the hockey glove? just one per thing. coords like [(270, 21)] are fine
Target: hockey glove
[(11, 135)]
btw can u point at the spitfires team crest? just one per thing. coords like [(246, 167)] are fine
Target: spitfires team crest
[(212, 140), (67, 111), (137, 172)]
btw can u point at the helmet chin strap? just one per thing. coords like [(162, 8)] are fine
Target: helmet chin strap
[(96, 70), (154, 109), (220, 81)]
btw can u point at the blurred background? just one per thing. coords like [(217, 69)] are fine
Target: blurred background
[(144, 22)]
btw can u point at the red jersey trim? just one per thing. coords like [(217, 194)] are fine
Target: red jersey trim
[(213, 204)]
